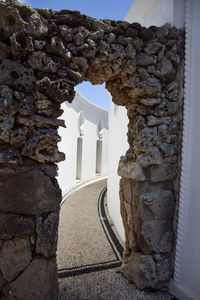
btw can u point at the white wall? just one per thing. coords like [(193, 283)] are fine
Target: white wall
[(191, 270), (117, 146), (157, 12), (68, 145), (186, 283)]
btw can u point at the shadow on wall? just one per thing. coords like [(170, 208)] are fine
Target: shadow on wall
[(90, 108)]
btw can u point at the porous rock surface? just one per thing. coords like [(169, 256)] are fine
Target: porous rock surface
[(43, 55)]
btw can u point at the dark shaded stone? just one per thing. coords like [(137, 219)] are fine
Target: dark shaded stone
[(10, 155), (43, 122), (162, 33), (38, 281), (29, 193), (47, 232), (144, 59), (15, 256), (42, 146), (50, 170), (146, 34), (18, 137), (165, 70), (136, 26), (6, 170), (132, 32), (15, 225), (16, 75), (58, 90)]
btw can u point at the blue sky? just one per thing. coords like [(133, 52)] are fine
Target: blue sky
[(101, 9)]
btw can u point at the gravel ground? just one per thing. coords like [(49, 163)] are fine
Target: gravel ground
[(104, 285), (82, 242)]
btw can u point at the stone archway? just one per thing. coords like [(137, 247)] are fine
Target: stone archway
[(43, 55)]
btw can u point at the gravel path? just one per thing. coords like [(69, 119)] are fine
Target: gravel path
[(87, 260)]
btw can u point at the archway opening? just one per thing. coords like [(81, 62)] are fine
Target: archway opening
[(97, 253), (87, 123)]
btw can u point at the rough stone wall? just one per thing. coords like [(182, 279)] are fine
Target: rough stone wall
[(150, 170), (43, 56)]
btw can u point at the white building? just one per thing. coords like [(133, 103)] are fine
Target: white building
[(84, 143), (117, 146)]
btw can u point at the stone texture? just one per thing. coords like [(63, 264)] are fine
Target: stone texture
[(16, 75), (150, 156), (29, 193), (145, 60), (43, 55), (157, 204), (42, 146), (130, 170), (156, 236), (15, 256), (47, 231), (38, 281), (12, 224), (144, 272), (150, 101), (164, 172), (165, 70)]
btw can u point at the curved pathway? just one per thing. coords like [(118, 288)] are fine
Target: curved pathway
[(90, 252)]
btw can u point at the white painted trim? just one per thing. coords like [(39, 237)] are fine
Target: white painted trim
[(79, 186), (184, 180)]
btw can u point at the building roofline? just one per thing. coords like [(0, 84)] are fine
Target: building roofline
[(82, 99)]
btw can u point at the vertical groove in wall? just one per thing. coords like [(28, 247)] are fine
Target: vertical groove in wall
[(183, 195)]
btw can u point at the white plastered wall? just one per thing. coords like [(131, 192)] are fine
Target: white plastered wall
[(186, 283), (68, 145), (157, 12), (117, 146)]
